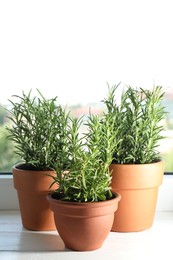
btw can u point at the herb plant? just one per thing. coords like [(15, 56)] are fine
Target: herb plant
[(38, 130), (86, 176), (137, 124)]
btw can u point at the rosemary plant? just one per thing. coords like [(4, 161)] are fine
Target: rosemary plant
[(86, 176), (138, 120), (39, 131)]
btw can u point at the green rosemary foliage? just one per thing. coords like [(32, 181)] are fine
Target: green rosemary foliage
[(39, 130), (137, 124), (87, 177)]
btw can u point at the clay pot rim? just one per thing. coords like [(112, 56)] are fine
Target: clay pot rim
[(17, 167), (116, 197), (136, 176), (138, 164)]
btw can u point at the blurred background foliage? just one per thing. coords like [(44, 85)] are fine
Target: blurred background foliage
[(7, 153), (8, 156)]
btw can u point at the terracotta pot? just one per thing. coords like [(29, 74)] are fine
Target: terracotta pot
[(138, 186), (32, 188), (84, 226)]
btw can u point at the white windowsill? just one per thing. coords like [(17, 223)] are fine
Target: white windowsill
[(18, 243), (9, 201)]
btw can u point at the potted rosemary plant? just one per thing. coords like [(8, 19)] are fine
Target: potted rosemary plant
[(83, 203), (38, 131), (137, 169)]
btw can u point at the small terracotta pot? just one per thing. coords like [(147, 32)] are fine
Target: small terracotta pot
[(84, 226), (138, 185), (32, 188)]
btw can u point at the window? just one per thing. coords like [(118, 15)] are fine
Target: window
[(72, 48)]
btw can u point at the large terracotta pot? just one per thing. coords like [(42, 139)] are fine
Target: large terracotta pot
[(32, 189), (84, 226), (138, 186)]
